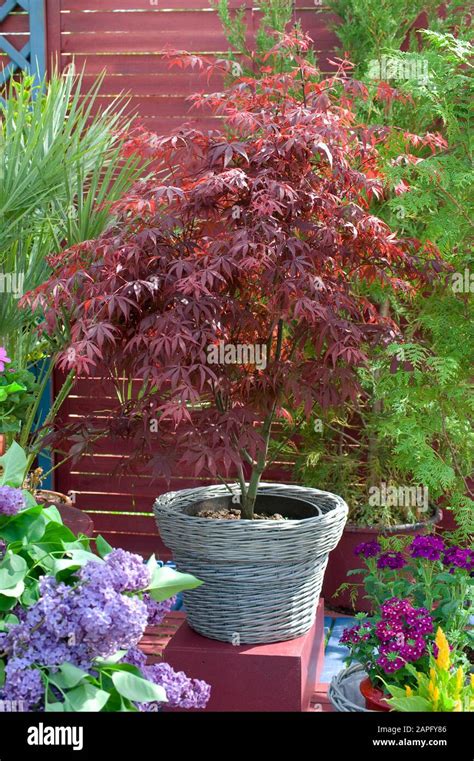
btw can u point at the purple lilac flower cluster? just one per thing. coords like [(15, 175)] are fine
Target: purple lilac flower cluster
[(77, 623), (11, 500), (429, 547), (181, 691), (157, 610), (95, 618)]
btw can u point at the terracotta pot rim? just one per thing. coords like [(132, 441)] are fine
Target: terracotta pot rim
[(46, 493), (400, 527), (373, 695)]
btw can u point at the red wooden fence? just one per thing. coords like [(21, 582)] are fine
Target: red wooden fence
[(127, 39)]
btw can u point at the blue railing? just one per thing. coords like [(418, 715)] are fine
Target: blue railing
[(32, 56)]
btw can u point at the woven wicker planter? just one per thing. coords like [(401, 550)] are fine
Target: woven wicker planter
[(344, 690), (262, 578)]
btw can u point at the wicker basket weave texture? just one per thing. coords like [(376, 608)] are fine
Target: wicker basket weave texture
[(262, 579), (344, 692)]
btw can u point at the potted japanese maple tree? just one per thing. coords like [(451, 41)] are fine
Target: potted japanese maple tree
[(233, 284)]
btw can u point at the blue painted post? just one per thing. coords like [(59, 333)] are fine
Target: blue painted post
[(37, 65), (45, 457)]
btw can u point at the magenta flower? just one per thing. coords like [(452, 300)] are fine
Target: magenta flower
[(367, 549), (3, 359), (391, 560), (429, 547), (457, 557), (395, 608)]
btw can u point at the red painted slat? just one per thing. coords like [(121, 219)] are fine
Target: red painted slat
[(126, 524), (146, 5), (171, 83), (156, 107), (15, 23), (144, 64), (196, 39), (156, 24), (143, 545)]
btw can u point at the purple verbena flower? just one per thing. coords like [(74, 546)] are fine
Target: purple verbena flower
[(11, 500), (429, 547), (393, 560), (367, 549), (459, 557), (395, 607)]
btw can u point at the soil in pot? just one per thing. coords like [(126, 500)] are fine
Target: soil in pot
[(267, 507), (374, 698), (342, 559)]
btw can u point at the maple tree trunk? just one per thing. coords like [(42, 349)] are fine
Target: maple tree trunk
[(250, 495)]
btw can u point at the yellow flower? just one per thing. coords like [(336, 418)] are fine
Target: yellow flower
[(408, 691), (433, 674), (431, 687), (435, 695), (443, 660), (457, 706), (459, 679)]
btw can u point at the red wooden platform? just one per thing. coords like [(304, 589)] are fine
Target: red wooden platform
[(157, 637)]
